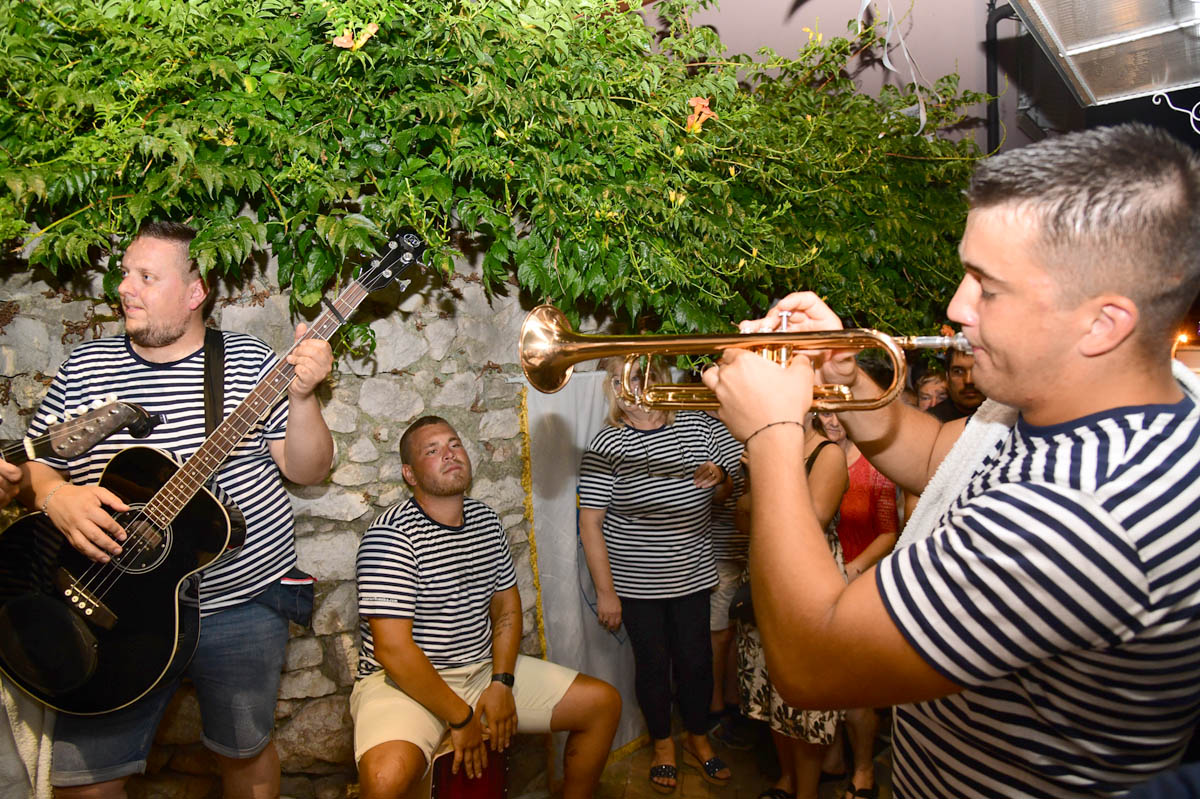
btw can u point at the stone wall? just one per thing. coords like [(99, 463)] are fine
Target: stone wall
[(443, 347)]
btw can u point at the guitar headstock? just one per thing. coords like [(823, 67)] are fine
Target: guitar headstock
[(79, 433), (402, 252)]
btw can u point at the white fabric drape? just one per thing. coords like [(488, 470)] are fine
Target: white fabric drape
[(560, 427)]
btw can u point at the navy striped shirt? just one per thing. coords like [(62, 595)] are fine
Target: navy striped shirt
[(443, 578), (175, 390), (1062, 588), (656, 522)]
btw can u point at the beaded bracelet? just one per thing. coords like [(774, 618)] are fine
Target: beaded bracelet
[(53, 491), (772, 424)]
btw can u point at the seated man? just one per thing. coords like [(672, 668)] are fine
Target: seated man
[(441, 623)]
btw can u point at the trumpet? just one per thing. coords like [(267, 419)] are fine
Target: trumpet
[(549, 350)]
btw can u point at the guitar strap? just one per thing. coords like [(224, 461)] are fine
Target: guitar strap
[(214, 379)]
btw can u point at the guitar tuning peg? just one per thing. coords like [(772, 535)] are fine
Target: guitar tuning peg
[(110, 398), (81, 410), (51, 420), (99, 403)]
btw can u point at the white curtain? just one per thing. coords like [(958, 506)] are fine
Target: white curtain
[(560, 427)]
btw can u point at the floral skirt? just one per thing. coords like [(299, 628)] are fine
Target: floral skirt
[(760, 700)]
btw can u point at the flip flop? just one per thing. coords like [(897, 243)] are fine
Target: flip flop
[(708, 769), (664, 771)]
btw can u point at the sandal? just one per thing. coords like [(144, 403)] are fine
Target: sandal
[(862, 793), (663, 771), (708, 769)]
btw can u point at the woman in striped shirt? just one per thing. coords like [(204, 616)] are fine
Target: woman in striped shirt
[(646, 488)]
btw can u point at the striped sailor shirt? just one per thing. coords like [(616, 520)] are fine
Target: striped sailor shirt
[(1062, 590), (656, 521), (109, 366), (443, 578)]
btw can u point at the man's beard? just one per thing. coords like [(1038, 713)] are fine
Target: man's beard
[(449, 485), (153, 336)]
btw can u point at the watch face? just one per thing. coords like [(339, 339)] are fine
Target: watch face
[(507, 679)]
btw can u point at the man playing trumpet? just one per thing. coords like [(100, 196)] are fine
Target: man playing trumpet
[(1040, 637)]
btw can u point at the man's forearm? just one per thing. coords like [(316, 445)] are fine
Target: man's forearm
[(412, 672), (307, 444), (37, 481), (506, 630), (785, 538)]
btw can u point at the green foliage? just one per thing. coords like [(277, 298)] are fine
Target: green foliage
[(551, 133)]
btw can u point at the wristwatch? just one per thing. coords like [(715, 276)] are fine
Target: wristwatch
[(506, 678)]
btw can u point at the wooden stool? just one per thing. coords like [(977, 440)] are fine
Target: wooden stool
[(439, 783)]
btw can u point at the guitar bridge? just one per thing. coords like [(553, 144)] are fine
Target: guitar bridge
[(83, 601)]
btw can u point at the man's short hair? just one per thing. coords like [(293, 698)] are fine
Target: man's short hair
[(174, 231), (406, 439), (1119, 210)]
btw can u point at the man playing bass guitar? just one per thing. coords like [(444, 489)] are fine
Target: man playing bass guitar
[(159, 363)]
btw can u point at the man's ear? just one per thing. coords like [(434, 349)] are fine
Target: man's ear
[(1112, 320), (197, 294), (408, 474)]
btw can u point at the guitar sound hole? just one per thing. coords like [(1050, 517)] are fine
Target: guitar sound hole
[(146, 544)]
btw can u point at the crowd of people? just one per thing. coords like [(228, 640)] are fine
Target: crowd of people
[(1033, 628)]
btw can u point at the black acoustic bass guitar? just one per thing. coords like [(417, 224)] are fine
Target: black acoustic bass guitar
[(88, 638)]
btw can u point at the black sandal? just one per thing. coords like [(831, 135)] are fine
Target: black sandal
[(664, 771), (708, 769), (863, 793)]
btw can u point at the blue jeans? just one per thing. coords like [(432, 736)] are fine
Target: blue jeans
[(236, 672)]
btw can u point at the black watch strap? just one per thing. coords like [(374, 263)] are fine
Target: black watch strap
[(464, 722), (506, 678)]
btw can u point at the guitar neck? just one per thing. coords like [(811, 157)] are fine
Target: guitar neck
[(14, 453), (201, 466)]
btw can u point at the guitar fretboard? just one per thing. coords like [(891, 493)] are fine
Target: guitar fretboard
[(183, 485)]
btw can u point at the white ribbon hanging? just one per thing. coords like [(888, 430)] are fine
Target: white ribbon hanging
[(893, 30)]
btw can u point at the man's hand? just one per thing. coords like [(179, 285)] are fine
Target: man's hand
[(312, 359), (10, 480), (805, 312), (755, 392), (497, 706), (469, 750), (608, 610), (79, 513)]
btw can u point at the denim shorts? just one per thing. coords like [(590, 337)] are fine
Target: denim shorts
[(236, 671)]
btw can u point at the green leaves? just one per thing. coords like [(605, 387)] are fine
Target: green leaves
[(547, 137)]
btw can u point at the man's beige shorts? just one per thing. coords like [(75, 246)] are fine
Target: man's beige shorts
[(729, 576), (382, 712)]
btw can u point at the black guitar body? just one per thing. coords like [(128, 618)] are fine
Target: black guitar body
[(88, 638)]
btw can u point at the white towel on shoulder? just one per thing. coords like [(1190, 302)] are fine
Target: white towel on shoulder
[(991, 422)]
